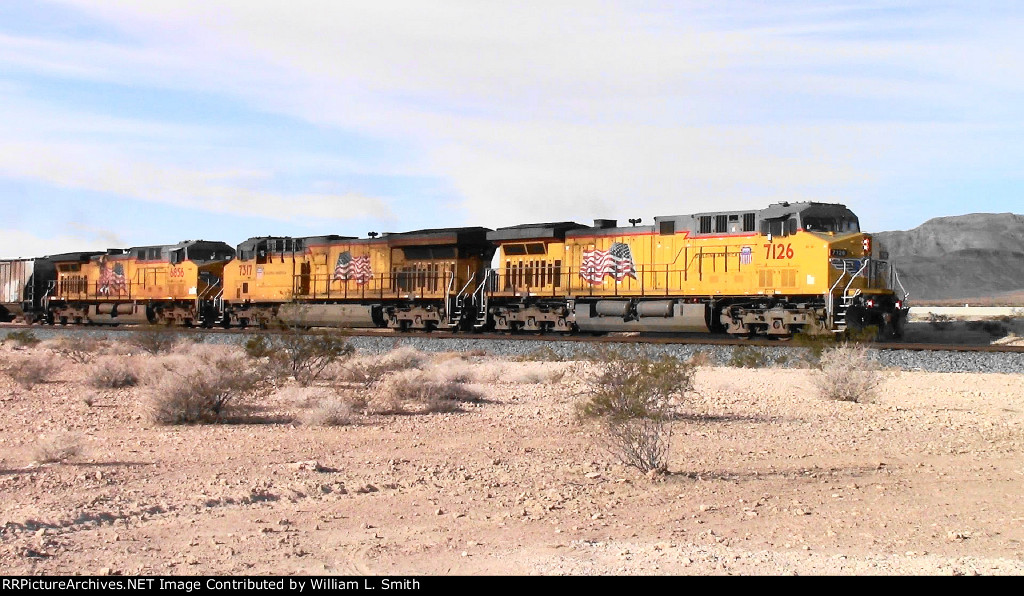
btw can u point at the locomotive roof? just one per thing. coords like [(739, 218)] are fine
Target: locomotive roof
[(81, 257), (250, 243), (470, 235), (535, 231)]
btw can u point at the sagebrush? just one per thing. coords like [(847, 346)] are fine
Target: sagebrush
[(848, 372), (205, 392), (634, 402)]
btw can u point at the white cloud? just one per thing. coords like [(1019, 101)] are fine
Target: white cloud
[(16, 244), (80, 166), (573, 109)]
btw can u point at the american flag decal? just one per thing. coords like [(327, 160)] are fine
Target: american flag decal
[(746, 255), (349, 268), (112, 280), (617, 262)]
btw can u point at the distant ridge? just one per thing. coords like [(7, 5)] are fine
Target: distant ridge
[(974, 256)]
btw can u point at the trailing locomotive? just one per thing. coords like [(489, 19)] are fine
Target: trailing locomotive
[(413, 280), (167, 284), (789, 268)]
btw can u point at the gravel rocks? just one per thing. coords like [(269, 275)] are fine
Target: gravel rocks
[(784, 355)]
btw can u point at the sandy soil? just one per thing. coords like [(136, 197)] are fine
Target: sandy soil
[(766, 478)]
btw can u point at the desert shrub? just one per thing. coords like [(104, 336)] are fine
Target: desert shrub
[(330, 412), (113, 372), (258, 346), (27, 371), (634, 402), (155, 339), (939, 322), (203, 393), (748, 357), (369, 369), (56, 448), (403, 358), (994, 328), (848, 373), (303, 355), (701, 358), (76, 348), (23, 338), (544, 353), (415, 390), (531, 373)]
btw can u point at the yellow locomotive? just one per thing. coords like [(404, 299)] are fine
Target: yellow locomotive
[(775, 271), (413, 280), (167, 284), (788, 268)]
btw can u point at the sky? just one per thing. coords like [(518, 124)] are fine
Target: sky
[(126, 123)]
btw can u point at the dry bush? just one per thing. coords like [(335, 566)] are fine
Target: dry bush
[(56, 448), (747, 357), (155, 339), (79, 349), (634, 402), (848, 372), (460, 371), (152, 370), (544, 353), (113, 372), (330, 412), (701, 358), (367, 369), (205, 351), (404, 357), (205, 392), (300, 354), (25, 339), (29, 370), (498, 371), (415, 390)]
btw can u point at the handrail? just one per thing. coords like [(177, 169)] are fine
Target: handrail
[(855, 275), (896, 276)]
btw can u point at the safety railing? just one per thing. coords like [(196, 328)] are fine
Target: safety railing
[(396, 285)]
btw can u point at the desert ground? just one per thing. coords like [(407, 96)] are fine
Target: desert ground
[(764, 476)]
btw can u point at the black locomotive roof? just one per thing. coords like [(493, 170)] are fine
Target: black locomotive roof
[(535, 231), (250, 244), (65, 257), (462, 236)]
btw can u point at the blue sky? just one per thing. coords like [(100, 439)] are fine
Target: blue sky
[(128, 123)]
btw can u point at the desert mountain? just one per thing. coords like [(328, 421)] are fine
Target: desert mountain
[(979, 255)]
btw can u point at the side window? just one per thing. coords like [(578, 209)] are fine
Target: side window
[(667, 228)]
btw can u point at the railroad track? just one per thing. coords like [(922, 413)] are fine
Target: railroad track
[(613, 338)]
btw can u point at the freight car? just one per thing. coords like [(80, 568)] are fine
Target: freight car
[(777, 271), (166, 284), (413, 280)]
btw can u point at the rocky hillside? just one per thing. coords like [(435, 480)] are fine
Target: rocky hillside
[(974, 256)]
